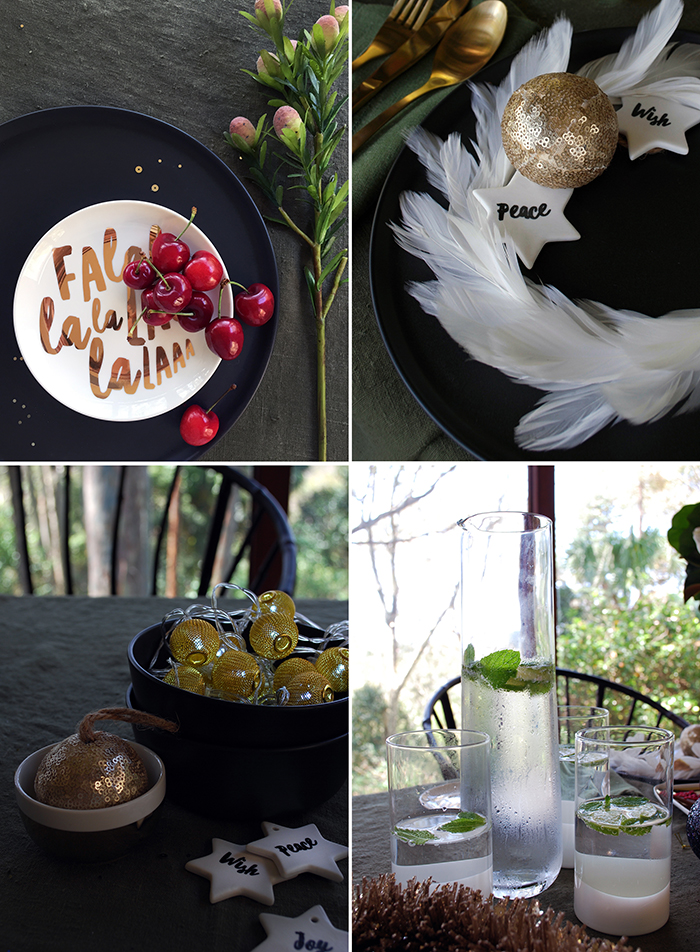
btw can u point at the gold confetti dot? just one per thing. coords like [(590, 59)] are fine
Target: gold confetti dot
[(179, 165), (160, 160), (154, 188), (139, 168)]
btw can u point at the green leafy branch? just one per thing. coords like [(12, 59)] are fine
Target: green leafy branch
[(294, 153)]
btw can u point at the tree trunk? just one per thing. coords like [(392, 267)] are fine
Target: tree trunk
[(100, 489), (133, 576)]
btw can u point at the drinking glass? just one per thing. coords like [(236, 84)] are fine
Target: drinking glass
[(509, 690), (440, 805), (622, 859), (572, 718)]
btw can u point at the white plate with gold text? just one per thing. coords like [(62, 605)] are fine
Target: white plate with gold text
[(73, 313)]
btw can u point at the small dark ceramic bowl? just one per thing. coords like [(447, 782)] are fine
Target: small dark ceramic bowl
[(228, 723), (96, 835), (237, 780)]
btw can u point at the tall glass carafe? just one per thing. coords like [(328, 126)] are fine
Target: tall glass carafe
[(509, 690)]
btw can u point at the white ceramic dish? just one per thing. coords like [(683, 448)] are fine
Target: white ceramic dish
[(70, 285), (90, 835), (679, 788)]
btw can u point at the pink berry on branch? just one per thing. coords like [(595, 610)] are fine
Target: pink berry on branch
[(329, 29), (244, 128), (266, 10), (341, 12), (287, 119)]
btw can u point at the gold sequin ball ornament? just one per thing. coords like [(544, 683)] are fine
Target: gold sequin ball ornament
[(273, 636), (309, 687), (333, 663), (94, 769), (236, 673), (275, 601), (559, 130), (194, 641)]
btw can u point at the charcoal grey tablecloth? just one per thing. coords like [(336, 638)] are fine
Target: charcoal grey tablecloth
[(64, 657)]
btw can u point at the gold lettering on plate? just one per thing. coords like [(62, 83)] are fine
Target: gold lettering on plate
[(62, 276), (122, 374), (91, 272)]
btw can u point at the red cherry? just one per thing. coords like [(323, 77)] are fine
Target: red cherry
[(204, 271), (169, 252), (152, 313), (256, 305), (139, 274), (198, 426), (173, 292), (201, 307), (224, 336)]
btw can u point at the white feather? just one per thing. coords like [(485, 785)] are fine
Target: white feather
[(621, 71), (595, 365), (564, 420)]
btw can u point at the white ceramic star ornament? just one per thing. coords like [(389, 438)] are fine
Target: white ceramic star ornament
[(300, 850), (234, 871), (311, 930), (530, 214), (648, 122)]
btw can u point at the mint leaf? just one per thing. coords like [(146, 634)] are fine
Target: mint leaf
[(469, 654), (414, 837), (500, 666), (464, 823), (614, 815)]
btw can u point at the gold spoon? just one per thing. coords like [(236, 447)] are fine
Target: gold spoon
[(467, 46)]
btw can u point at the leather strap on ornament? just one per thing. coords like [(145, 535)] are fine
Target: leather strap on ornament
[(86, 731)]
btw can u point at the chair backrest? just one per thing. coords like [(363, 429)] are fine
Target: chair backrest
[(265, 538), (626, 705)]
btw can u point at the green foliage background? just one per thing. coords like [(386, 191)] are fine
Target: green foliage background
[(318, 512)]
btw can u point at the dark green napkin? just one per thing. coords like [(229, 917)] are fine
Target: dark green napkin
[(388, 424)]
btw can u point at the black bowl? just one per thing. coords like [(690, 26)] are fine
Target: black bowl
[(265, 783), (226, 722)]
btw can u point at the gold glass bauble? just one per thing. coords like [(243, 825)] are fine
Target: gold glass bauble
[(85, 776), (309, 687), (194, 641), (333, 663), (273, 635), (288, 669), (275, 601), (236, 673), (185, 677), (559, 130)]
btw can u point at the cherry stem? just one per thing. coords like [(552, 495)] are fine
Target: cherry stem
[(232, 387), (133, 326), (161, 276), (239, 285), (193, 213), (221, 293)]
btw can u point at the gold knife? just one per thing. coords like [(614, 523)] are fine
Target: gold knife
[(412, 50)]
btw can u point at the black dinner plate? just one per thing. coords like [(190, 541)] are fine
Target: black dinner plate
[(639, 223), (57, 161)]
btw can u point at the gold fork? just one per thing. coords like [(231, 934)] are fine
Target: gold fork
[(404, 17)]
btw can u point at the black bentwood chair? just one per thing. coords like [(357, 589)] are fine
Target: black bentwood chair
[(261, 535), (626, 706)]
